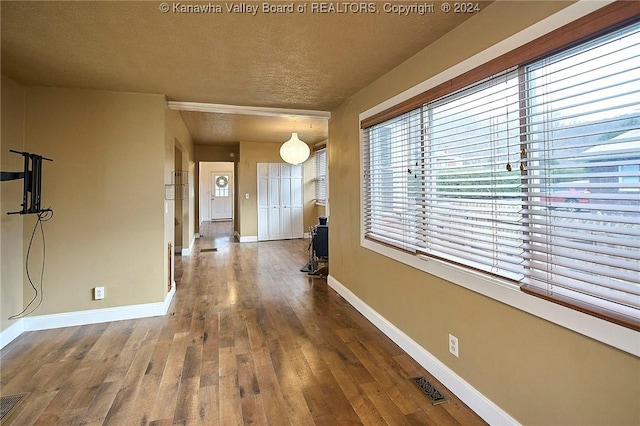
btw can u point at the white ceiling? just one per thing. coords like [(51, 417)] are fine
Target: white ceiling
[(308, 61)]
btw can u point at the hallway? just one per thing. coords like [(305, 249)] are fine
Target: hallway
[(248, 339)]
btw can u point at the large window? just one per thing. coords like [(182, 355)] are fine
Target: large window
[(531, 175)]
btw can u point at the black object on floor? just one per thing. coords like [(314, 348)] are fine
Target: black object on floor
[(7, 403), (430, 391), (308, 267)]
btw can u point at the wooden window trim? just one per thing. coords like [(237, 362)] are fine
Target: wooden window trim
[(586, 308), (614, 15)]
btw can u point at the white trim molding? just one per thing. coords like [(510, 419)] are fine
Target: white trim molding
[(188, 251), (248, 110), (11, 333), (248, 239), (91, 316), (480, 404)]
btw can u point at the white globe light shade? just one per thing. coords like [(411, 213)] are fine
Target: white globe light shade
[(294, 151)]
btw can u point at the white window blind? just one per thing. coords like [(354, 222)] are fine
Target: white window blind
[(532, 175), (471, 205), (583, 185), (321, 176), (393, 181)]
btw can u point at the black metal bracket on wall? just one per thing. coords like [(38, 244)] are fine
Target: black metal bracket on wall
[(32, 175)]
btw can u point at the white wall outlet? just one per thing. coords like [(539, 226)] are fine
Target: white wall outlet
[(453, 345), (98, 293), (246, 196)]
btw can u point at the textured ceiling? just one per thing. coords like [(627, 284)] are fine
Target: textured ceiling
[(299, 60), (229, 128)]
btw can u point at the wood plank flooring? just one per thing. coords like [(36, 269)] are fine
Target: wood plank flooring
[(248, 340)]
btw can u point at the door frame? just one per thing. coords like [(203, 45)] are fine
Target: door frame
[(204, 187)]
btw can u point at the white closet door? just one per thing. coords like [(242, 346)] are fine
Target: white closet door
[(275, 206), (285, 200), (263, 201), (280, 201), (297, 203)]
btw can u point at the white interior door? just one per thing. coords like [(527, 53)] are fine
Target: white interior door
[(275, 208), (263, 201), (285, 200), (297, 202), (221, 195), (280, 201)]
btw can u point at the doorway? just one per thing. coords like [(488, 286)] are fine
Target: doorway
[(216, 191)]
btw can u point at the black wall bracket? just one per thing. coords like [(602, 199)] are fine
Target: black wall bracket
[(32, 175)]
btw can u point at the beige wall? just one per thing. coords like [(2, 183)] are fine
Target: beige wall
[(11, 242), (538, 372), (252, 153), (106, 189)]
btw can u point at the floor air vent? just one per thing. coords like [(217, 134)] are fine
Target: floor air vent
[(7, 403), (430, 391), (204, 250)]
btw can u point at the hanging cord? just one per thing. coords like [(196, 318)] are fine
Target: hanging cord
[(43, 216)]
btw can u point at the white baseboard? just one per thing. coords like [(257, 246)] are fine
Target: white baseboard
[(11, 333), (92, 316), (485, 408), (188, 251), (169, 297), (249, 239)]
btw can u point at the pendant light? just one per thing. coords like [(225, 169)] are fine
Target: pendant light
[(294, 151)]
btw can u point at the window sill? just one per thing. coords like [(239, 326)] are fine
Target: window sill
[(506, 292)]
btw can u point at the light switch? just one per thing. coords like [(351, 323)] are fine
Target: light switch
[(246, 196)]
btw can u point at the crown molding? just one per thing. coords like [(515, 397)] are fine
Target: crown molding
[(248, 110)]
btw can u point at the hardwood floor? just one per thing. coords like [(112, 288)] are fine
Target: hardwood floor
[(248, 340)]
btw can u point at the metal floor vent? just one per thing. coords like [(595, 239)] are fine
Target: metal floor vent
[(204, 250), (7, 403), (430, 391)]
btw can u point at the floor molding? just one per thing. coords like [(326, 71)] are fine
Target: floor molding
[(9, 334), (485, 408), (188, 251), (91, 316)]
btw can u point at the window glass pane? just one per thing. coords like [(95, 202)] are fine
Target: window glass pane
[(394, 180), (321, 176), (221, 186), (472, 203), (583, 180)]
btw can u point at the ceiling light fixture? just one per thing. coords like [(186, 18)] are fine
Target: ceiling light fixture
[(294, 151)]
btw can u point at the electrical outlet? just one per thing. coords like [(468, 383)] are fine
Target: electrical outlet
[(453, 345), (98, 293)]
